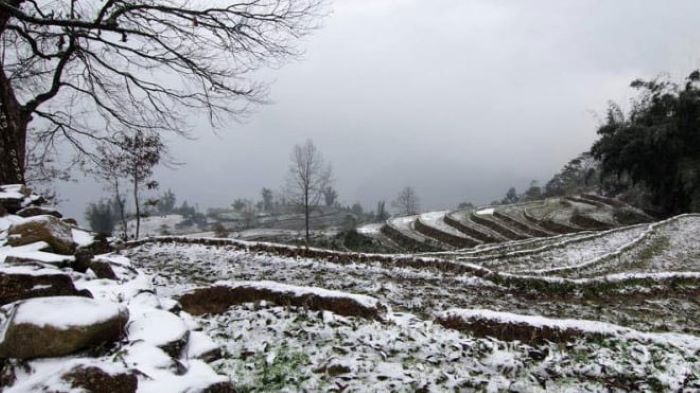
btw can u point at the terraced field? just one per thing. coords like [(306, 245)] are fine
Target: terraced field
[(462, 229), (606, 310)]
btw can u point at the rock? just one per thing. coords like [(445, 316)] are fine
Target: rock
[(160, 328), (103, 270), (200, 346), (100, 245), (48, 229), (60, 326), (219, 387), (14, 287), (95, 380), (13, 197), (70, 221), (83, 261), (2, 211), (32, 211), (8, 374)]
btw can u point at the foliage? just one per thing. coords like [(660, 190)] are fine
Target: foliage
[(330, 196), (101, 217), (382, 214), (578, 175), (511, 196), (220, 230), (657, 145), (533, 193), (166, 202), (267, 199)]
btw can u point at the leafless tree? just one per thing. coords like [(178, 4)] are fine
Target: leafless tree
[(308, 176), (77, 72), (248, 213), (130, 159), (407, 202)]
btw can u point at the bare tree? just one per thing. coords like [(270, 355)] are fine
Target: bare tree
[(308, 177), (81, 71), (248, 213), (407, 202), (131, 158)]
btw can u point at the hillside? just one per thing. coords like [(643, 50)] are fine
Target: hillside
[(598, 311), (462, 229)]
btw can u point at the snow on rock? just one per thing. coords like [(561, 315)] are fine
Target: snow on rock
[(24, 282), (59, 326), (486, 212), (32, 252), (162, 329), (14, 197), (49, 229), (218, 298), (82, 238), (73, 375), (200, 346), (31, 211)]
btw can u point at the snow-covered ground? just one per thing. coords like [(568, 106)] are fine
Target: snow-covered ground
[(293, 349)]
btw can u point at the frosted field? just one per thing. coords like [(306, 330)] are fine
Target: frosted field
[(629, 302)]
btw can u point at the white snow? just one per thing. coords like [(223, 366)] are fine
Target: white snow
[(156, 327), (199, 344), (366, 301), (82, 238), (370, 229), (584, 326), (64, 312), (486, 212)]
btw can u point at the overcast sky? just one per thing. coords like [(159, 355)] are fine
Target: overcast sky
[(458, 98)]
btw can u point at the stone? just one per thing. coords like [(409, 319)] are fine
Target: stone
[(14, 287), (60, 326), (219, 387), (103, 270), (95, 380), (48, 229), (160, 328), (32, 211)]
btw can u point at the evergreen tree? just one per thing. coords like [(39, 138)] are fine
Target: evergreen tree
[(657, 145)]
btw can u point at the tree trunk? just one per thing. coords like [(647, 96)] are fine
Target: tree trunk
[(13, 135), (13, 124), (306, 215), (122, 210), (136, 204)]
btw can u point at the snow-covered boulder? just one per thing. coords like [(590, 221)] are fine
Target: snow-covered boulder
[(162, 329), (96, 380), (200, 346), (48, 229), (32, 211), (218, 298), (102, 270), (22, 283), (59, 326), (14, 197)]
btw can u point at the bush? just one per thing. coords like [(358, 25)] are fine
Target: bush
[(100, 217)]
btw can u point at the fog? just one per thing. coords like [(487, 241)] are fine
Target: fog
[(459, 99)]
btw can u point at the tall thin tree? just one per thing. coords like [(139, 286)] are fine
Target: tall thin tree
[(308, 177)]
